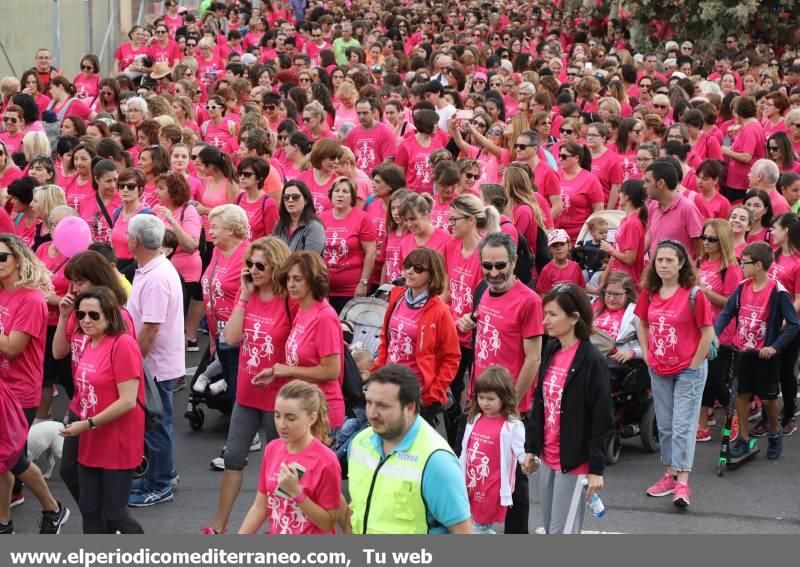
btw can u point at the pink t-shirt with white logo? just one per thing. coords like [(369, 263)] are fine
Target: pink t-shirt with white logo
[(555, 377), (578, 195), (221, 282), (265, 330), (413, 157), (504, 322), (318, 192), (786, 269), (371, 147), (483, 470), (394, 257), (317, 333), (344, 254), (77, 192), (753, 316), (24, 310), (675, 329), (440, 213), (90, 211), (126, 54), (608, 170), (610, 321), (376, 212), (321, 481), (710, 275), (464, 275), (218, 135), (403, 335), (262, 215), (436, 241), (87, 88)]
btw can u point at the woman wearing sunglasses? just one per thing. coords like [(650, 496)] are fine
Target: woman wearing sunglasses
[(109, 381), (14, 122), (164, 49), (419, 330), (570, 131), (45, 200), (298, 224), (581, 191), (779, 150), (217, 130), (260, 324)]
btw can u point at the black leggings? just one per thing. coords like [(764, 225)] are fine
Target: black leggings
[(457, 386), (789, 380), (716, 387), (68, 469), (20, 467), (104, 501)]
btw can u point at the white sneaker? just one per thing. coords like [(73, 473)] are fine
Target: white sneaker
[(201, 384), (256, 444), (218, 464), (218, 387)]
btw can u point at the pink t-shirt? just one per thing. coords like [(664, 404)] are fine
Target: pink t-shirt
[(344, 116), (440, 213), (525, 223), (393, 253), (376, 212), (321, 481), (11, 174), (710, 275), (413, 157), (750, 140), (209, 70), (221, 282), (507, 226), (157, 297), (76, 108), (552, 275), (264, 333), (630, 168), (119, 444), (552, 391), (25, 231), (173, 23), (707, 147), (680, 221), (464, 275), (317, 333), (674, 329), (60, 282), (24, 310), (344, 253), (170, 54), (189, 266), (218, 135), (608, 170), (483, 470), (403, 336), (119, 236), (779, 204), (77, 192), (630, 236), (786, 269), (87, 87), (504, 322), (90, 211), (578, 195), (489, 165), (436, 241), (371, 147), (610, 321), (126, 55), (262, 215), (719, 206), (546, 180), (13, 143), (319, 192), (753, 316)]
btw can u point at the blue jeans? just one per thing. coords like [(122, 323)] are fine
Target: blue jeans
[(159, 442), (350, 428), (677, 402), (229, 359)]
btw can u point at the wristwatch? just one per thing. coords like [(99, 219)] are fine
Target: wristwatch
[(91, 423), (364, 282)]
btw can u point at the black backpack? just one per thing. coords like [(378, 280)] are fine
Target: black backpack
[(525, 258), (543, 256), (352, 385)]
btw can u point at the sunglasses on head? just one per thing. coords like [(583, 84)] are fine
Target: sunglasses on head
[(93, 315), (489, 266), (260, 266), (418, 268)]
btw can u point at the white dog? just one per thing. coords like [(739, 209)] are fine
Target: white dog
[(44, 438)]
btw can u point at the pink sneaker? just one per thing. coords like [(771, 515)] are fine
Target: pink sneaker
[(664, 487), (208, 530), (703, 434), (682, 494)]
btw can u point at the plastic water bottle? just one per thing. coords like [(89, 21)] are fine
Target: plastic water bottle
[(597, 506)]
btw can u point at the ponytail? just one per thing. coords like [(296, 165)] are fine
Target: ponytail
[(585, 157), (634, 190), (311, 400)]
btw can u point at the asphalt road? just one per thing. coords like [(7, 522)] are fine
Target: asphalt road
[(760, 497)]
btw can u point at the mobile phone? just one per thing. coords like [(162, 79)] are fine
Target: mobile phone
[(462, 117), (588, 65), (249, 277), (300, 470)]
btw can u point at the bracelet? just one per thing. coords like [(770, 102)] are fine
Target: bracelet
[(91, 423), (241, 303), (300, 498)]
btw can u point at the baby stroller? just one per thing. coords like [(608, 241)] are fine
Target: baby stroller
[(588, 256), (222, 401), (634, 412), (365, 316)]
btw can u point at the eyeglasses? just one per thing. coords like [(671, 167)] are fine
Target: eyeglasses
[(247, 174), (10, 119), (592, 135), (572, 74), (161, 32), (87, 68), (305, 80), (260, 266), (453, 220), (565, 156), (489, 266), (93, 315), (710, 239), (418, 268), (746, 262), (645, 86), (283, 138), (290, 197), (615, 293), (662, 106), (127, 186), (212, 107), (522, 146), (472, 176), (4, 256), (495, 132), (307, 119)]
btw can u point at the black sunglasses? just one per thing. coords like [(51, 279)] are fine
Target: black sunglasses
[(711, 239), (489, 266), (5, 256), (472, 176), (418, 268), (93, 315), (260, 266), (127, 186), (247, 174), (292, 197)]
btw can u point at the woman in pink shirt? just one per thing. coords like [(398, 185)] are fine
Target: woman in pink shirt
[(319, 178), (775, 105), (127, 52), (571, 420), (779, 150), (14, 122), (414, 151), (87, 83), (627, 253), (447, 177), (677, 333), (760, 206), (748, 147), (349, 245), (704, 145), (97, 209), (32, 85), (260, 323), (581, 192), (416, 211), (130, 184), (396, 232), (629, 136), (80, 186)]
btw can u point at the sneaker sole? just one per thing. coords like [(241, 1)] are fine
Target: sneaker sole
[(681, 503), (62, 522), (703, 440), (15, 503), (169, 498), (659, 494), (193, 349)]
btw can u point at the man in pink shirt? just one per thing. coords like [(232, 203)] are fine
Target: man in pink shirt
[(671, 216), (764, 175), (372, 142), (156, 306)]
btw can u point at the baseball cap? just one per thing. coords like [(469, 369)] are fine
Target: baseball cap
[(559, 235)]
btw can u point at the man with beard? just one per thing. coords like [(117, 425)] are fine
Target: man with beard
[(403, 477), (507, 319)]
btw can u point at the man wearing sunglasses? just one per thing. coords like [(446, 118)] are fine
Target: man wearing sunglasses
[(545, 178), (764, 175), (506, 323)]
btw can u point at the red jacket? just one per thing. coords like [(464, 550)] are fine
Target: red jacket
[(438, 351)]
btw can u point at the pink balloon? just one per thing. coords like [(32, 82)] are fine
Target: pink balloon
[(71, 236)]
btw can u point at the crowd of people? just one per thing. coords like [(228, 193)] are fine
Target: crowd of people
[(541, 199)]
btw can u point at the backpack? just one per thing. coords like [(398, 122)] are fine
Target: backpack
[(352, 385), (542, 255), (53, 129), (525, 258)]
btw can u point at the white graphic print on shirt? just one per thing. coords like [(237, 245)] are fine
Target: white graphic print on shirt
[(663, 337), (477, 465), (286, 514)]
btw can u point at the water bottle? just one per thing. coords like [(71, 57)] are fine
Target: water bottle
[(598, 509)]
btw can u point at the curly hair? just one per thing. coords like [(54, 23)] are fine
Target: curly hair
[(687, 276)]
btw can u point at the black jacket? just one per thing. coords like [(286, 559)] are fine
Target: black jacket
[(587, 422)]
